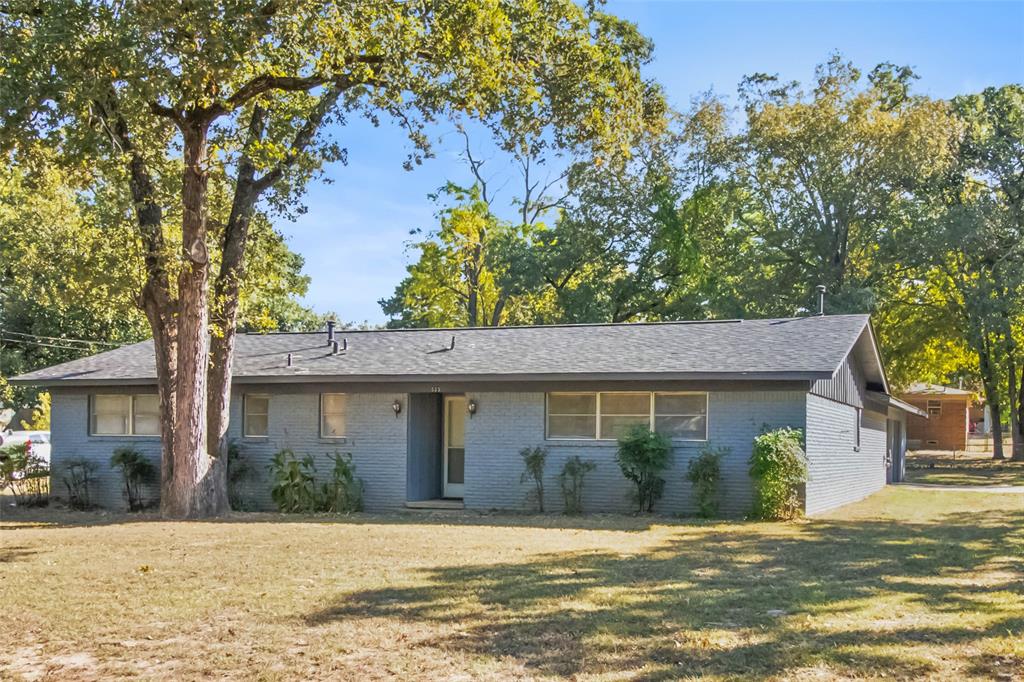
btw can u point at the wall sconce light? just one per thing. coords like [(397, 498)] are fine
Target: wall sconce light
[(397, 407), (471, 408)]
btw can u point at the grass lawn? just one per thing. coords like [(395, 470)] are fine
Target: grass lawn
[(937, 467), (908, 584)]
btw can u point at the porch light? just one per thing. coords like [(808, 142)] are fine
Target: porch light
[(471, 407), (397, 407)]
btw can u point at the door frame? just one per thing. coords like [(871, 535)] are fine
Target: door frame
[(453, 490)]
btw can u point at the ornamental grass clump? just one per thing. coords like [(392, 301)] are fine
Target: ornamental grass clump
[(778, 467), (534, 460)]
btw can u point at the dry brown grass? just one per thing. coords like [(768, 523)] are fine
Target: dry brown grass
[(947, 468), (908, 584)]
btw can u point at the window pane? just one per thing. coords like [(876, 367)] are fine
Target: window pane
[(256, 425), (571, 427), (146, 420), (333, 403), (456, 465), (456, 422), (690, 428), (257, 409), (626, 403), (668, 403), (110, 424), (572, 403), (110, 414), (332, 426), (616, 426)]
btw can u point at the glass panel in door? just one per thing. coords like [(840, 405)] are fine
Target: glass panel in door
[(454, 445)]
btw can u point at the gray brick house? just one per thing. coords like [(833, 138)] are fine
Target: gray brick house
[(437, 417)]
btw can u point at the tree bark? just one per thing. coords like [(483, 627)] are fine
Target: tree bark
[(1015, 407), (193, 489)]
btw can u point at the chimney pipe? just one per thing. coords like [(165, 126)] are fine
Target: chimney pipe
[(289, 360), (334, 347), (821, 298), (330, 332)]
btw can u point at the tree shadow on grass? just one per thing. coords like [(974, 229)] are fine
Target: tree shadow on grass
[(733, 600)]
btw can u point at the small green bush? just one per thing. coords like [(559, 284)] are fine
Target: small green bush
[(642, 456), (239, 471), (705, 473), (571, 482), (344, 492), (295, 488), (78, 476), (136, 470), (24, 474), (534, 460), (778, 466)]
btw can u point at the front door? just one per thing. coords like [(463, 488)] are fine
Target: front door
[(454, 445)]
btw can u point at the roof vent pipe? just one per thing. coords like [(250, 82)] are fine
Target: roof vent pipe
[(821, 298), (452, 347), (334, 349), (289, 361), (330, 332)]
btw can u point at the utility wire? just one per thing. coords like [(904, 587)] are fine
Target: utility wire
[(61, 339), (40, 343)]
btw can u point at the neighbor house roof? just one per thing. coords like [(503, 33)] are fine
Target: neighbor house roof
[(806, 348), (937, 391)]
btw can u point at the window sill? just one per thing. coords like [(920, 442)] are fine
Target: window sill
[(123, 436)]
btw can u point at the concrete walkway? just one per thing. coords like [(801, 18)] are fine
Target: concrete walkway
[(1018, 489)]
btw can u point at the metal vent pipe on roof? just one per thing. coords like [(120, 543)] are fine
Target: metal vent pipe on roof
[(330, 332), (821, 298)]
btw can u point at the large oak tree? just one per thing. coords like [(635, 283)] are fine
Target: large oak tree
[(165, 96)]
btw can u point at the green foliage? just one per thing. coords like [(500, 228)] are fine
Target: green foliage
[(778, 466), (136, 471), (570, 480), (40, 414), (705, 473), (534, 460), (642, 455), (24, 475), (343, 493), (295, 488), (78, 478), (239, 471)]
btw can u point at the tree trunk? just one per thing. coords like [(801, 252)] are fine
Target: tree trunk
[(1016, 408), (193, 489)]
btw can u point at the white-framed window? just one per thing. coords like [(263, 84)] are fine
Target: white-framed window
[(333, 407), (124, 415), (683, 416), (607, 415), (934, 408), (255, 415)]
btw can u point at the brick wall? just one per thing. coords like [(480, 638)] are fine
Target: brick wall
[(507, 422), (948, 429)]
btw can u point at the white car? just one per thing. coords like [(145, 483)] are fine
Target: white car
[(40, 441)]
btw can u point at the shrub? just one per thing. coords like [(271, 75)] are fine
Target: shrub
[(295, 488), (77, 478), (136, 470), (642, 456), (344, 492), (705, 473), (778, 466), (24, 474), (294, 482), (533, 461), (238, 471), (571, 482)]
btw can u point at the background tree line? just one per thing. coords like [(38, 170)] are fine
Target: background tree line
[(904, 206)]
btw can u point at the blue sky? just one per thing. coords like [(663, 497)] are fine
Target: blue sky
[(354, 235)]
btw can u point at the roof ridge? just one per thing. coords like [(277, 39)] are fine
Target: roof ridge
[(561, 325)]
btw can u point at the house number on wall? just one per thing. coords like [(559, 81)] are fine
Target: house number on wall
[(435, 389)]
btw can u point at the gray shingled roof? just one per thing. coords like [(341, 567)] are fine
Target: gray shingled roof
[(794, 348)]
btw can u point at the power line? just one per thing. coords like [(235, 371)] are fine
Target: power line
[(40, 343), (62, 339)]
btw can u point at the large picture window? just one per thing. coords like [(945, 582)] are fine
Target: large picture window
[(608, 415), (332, 415), (256, 417), (124, 415)]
